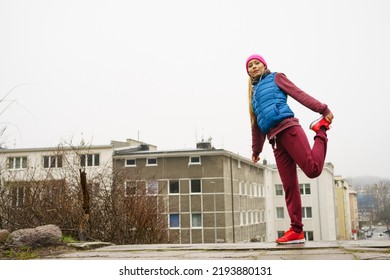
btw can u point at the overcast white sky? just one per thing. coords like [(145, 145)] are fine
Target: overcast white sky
[(171, 72)]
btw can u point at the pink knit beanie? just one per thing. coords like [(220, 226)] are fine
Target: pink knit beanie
[(255, 56)]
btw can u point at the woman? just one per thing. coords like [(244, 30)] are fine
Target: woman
[(271, 117)]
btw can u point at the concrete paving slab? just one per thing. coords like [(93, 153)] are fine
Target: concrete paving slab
[(309, 258), (331, 250)]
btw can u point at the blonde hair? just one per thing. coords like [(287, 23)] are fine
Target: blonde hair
[(250, 96)]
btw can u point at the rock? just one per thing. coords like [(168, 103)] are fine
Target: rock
[(3, 236), (41, 236)]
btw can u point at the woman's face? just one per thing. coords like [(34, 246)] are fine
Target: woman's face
[(255, 68)]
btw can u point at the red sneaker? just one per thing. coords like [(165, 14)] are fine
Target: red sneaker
[(317, 124), (291, 237)]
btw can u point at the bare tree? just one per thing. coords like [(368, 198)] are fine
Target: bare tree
[(134, 212), (382, 200)]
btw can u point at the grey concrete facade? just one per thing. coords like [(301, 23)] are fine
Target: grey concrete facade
[(213, 196)]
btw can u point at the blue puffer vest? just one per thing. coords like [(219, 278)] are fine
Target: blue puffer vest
[(269, 103)]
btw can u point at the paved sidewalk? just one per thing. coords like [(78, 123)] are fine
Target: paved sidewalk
[(332, 250)]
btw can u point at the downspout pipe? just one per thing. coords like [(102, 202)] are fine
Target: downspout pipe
[(232, 193)]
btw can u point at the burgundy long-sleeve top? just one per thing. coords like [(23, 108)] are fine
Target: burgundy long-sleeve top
[(288, 87)]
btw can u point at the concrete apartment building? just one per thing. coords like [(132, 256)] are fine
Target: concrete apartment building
[(209, 195), (346, 209), (354, 214)]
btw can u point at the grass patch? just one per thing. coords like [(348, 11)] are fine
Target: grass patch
[(22, 253), (68, 239)]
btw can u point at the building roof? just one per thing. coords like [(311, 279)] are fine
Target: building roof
[(136, 149), (142, 152)]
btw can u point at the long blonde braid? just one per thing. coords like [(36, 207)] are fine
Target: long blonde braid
[(250, 96)]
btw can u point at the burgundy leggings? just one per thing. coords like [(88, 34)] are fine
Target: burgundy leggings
[(292, 148)]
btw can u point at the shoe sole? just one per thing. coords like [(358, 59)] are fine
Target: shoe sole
[(315, 122), (299, 241)]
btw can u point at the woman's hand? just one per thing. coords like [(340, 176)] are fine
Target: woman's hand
[(255, 159), (329, 117)]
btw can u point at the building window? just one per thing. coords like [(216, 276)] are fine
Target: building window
[(196, 186), (280, 233), (309, 236), (304, 189), (151, 162), (306, 213), (130, 162), (196, 220), (242, 218), (195, 160), (52, 161), (239, 164), (280, 212), (241, 187), (174, 186), (174, 220), (152, 187), (90, 160), (18, 196), (278, 189), (254, 190), (17, 163), (130, 188), (135, 187), (250, 189)]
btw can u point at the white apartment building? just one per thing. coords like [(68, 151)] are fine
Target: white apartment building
[(318, 205), (34, 164)]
